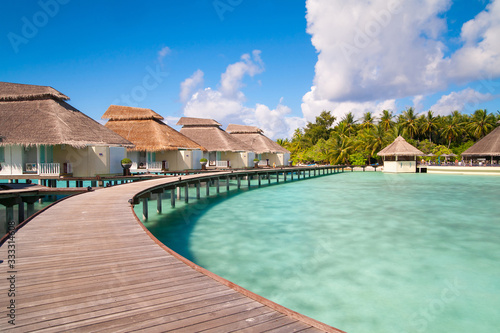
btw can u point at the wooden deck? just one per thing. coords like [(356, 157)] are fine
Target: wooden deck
[(86, 264)]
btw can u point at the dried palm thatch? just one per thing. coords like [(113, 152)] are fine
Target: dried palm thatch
[(27, 92), (400, 148), (197, 122), (118, 112), (207, 132), (253, 137), (144, 128), (487, 146), (36, 115)]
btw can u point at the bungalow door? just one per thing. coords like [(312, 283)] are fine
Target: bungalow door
[(30, 162), (212, 158)]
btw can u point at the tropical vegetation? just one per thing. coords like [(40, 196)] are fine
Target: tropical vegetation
[(357, 141)]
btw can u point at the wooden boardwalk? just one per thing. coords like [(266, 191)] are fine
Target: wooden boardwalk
[(87, 265)]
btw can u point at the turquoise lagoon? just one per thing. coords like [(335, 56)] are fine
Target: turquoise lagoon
[(364, 252)]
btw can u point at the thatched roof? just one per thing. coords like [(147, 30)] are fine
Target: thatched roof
[(258, 142), (36, 115), (144, 128), (207, 132), (187, 121), (400, 148), (237, 129), (27, 92), (118, 112), (487, 146)]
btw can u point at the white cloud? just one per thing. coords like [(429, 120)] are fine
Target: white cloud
[(226, 104), (379, 50), (312, 107), (464, 100), (191, 84), (163, 53)]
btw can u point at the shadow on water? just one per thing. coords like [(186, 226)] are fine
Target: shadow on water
[(174, 226)]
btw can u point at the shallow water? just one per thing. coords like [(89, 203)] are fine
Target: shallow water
[(359, 251)]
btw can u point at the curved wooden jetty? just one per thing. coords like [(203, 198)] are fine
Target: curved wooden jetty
[(86, 264)]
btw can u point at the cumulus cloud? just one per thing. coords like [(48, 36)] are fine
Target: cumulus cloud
[(464, 100), (191, 84), (226, 103), (376, 51), (312, 107)]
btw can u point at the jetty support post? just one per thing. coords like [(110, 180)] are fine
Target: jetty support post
[(218, 183), (159, 194), (227, 183), (172, 197), (238, 180), (207, 183), (258, 177), (186, 193), (198, 185)]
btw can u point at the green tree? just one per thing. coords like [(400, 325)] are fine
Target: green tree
[(340, 147), (320, 129), (386, 120), (430, 124), (481, 123), (409, 122)]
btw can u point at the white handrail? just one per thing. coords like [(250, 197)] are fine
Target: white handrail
[(223, 164), (50, 169)]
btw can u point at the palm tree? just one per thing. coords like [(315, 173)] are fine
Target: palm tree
[(340, 147), (430, 124), (373, 140), (349, 121), (409, 120), (368, 120), (450, 128), (481, 123), (386, 120)]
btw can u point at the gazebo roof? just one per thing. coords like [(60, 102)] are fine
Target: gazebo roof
[(399, 147)]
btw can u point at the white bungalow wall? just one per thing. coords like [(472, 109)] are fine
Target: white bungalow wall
[(12, 163), (400, 166), (274, 158)]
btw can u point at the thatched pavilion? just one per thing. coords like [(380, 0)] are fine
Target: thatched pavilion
[(157, 145), (400, 156), (268, 151), (487, 149), (43, 135), (223, 149)]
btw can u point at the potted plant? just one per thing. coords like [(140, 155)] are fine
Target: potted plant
[(256, 162), (203, 163), (126, 164)]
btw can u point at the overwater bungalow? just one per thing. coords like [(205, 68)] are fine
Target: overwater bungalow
[(486, 150), (157, 146), (400, 156), (223, 149), (266, 150), (42, 135)]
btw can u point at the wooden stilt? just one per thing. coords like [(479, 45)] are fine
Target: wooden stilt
[(172, 198), (158, 202), (20, 211), (208, 187), (227, 184), (198, 185), (238, 180), (178, 193), (218, 183), (145, 209), (186, 193)]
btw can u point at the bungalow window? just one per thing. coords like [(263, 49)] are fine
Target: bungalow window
[(2, 154)]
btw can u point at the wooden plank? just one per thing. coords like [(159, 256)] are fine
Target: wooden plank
[(87, 264)]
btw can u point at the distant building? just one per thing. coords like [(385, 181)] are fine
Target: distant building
[(486, 149), (400, 157), (266, 150), (223, 149), (43, 135), (157, 146)]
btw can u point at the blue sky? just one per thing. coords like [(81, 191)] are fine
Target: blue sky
[(273, 64)]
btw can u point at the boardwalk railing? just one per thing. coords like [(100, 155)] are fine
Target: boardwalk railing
[(223, 164)]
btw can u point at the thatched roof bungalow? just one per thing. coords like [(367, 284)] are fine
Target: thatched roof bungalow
[(157, 145), (44, 135), (487, 148), (223, 149), (400, 156), (266, 150)]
